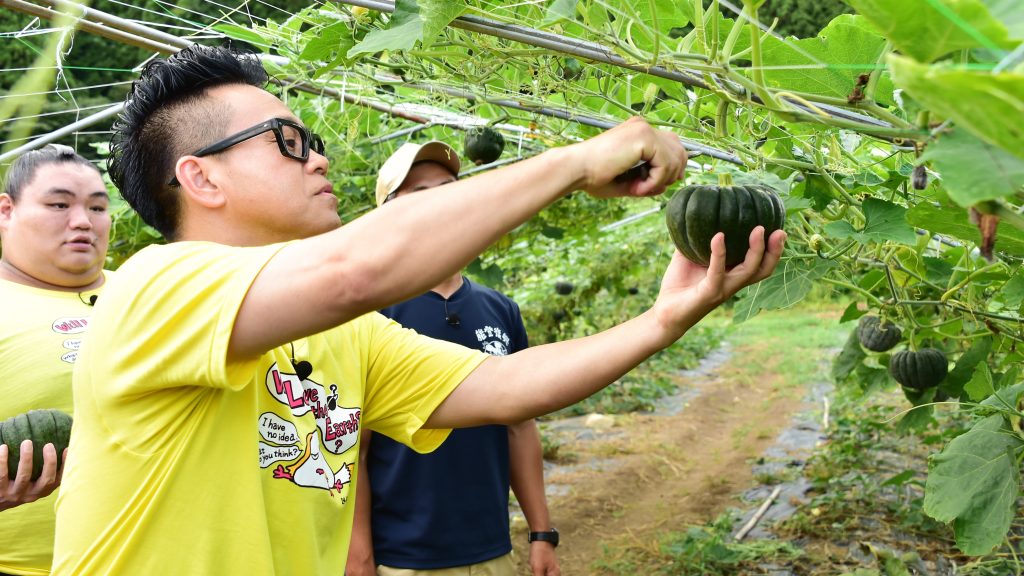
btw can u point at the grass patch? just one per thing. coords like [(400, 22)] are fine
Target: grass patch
[(707, 550)]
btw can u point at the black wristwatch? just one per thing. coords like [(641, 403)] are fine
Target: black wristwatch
[(551, 537)]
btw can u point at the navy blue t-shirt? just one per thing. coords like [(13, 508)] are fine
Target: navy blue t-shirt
[(450, 507)]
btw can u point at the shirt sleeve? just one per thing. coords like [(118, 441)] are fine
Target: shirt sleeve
[(166, 321), (520, 340), (408, 377)]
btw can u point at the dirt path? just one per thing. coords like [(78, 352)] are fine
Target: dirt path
[(649, 474)]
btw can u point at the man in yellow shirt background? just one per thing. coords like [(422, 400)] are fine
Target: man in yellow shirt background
[(54, 229)]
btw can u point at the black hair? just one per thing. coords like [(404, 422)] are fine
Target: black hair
[(24, 169), (168, 115)]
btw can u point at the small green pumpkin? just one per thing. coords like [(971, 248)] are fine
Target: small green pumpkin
[(919, 370), (696, 213), (42, 427), (483, 145), (876, 335)]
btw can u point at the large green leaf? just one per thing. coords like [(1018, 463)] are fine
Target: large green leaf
[(989, 105), (884, 221), (975, 482), (928, 29), (973, 170), (953, 221), (413, 21), (829, 64), (790, 283)]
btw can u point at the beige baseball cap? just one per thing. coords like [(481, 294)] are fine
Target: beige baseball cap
[(397, 166)]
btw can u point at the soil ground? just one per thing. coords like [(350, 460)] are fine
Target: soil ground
[(648, 473)]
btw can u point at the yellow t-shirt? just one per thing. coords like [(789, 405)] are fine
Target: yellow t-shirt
[(184, 463), (40, 335)]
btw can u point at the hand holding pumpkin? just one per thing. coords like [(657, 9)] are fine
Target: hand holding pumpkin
[(690, 291), (22, 489)]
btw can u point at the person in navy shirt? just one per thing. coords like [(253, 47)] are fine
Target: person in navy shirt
[(447, 512)]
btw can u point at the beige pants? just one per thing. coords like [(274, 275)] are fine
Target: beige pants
[(500, 566)]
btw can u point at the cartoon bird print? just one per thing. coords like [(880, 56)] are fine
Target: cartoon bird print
[(312, 470)]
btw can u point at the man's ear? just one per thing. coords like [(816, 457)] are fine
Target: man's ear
[(6, 210), (193, 175)]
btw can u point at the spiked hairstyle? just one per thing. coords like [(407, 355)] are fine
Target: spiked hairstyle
[(167, 115)]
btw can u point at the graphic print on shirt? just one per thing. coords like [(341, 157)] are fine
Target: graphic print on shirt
[(70, 325), (337, 430), (493, 340)]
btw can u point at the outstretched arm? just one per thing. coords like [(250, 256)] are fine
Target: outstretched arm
[(404, 248), (542, 379)]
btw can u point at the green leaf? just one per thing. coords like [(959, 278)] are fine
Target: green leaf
[(553, 232), (1012, 293), (1005, 398), (937, 270), (412, 21), (974, 482), (830, 63), (790, 283), (979, 101), (852, 312), (928, 29), (329, 43), (900, 479), (980, 386), (954, 222), (491, 275), (668, 14), (871, 379), (560, 10), (964, 370), (885, 221), (243, 34), (436, 15), (848, 359), (973, 170), (816, 189)]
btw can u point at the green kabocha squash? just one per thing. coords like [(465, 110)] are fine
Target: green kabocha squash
[(877, 335), (919, 370), (42, 427), (483, 145), (696, 213), (564, 288)]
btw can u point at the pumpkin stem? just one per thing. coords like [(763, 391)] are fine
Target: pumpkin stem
[(724, 179)]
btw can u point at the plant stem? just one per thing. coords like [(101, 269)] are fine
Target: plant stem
[(869, 90), (734, 35), (949, 293), (755, 56), (856, 289)]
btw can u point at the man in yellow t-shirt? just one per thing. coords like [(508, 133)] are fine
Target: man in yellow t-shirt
[(54, 228), (219, 403)]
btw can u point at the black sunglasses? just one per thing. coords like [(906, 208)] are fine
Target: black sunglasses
[(293, 140)]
